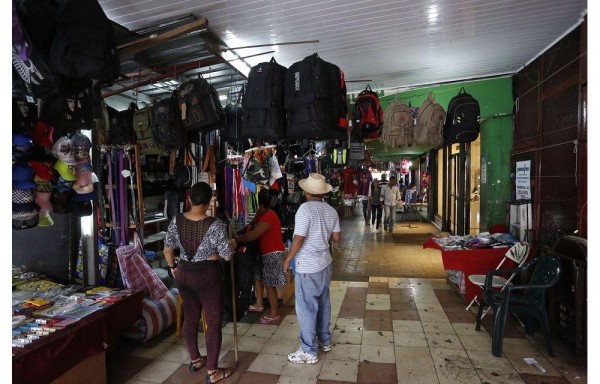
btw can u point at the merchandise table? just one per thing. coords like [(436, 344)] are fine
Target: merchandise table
[(471, 261), (51, 356)]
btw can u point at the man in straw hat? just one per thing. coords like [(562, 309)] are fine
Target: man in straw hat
[(317, 223)]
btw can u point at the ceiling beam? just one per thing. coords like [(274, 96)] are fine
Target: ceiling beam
[(128, 50), (177, 70)]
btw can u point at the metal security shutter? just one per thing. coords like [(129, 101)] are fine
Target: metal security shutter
[(546, 132)]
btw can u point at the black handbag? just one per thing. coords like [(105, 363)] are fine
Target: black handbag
[(186, 175)]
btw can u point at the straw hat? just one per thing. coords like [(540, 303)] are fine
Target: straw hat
[(315, 184)]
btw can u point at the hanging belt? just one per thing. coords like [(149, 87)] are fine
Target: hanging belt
[(122, 200), (111, 198)]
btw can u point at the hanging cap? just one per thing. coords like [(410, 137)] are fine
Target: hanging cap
[(22, 176), (26, 219), (83, 189), (42, 134), (87, 196), (45, 219), (64, 170), (21, 145), (42, 170), (81, 142), (63, 150), (23, 196)]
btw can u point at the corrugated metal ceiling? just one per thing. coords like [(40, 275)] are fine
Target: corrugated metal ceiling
[(392, 44)]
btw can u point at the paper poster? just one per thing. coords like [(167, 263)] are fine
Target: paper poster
[(483, 176), (522, 182)]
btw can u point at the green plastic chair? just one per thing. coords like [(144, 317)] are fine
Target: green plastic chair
[(528, 300)]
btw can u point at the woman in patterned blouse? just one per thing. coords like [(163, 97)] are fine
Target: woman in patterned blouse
[(202, 242)]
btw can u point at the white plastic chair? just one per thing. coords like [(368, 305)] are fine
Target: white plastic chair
[(517, 253)]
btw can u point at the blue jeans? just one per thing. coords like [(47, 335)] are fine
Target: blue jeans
[(313, 309), (390, 215)]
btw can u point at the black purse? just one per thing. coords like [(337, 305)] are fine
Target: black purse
[(186, 175)]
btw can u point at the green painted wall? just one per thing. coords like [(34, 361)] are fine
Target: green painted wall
[(495, 98)]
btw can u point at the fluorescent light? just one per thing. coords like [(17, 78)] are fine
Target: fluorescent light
[(432, 14)]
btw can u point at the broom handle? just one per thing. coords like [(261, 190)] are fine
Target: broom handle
[(235, 340)]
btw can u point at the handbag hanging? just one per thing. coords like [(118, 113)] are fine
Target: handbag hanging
[(186, 172)]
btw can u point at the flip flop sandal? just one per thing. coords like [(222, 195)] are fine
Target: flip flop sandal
[(252, 308), (270, 320)]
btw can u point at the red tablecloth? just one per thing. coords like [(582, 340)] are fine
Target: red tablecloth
[(53, 355), (471, 262)]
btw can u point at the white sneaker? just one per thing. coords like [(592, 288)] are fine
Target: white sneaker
[(324, 347), (301, 357)]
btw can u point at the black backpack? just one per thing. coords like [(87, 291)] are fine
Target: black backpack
[(70, 43), (462, 119), (24, 116), (29, 53), (315, 100), (167, 127), (120, 129), (199, 107), (68, 114), (234, 114), (264, 114)]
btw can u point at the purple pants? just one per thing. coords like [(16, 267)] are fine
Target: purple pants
[(201, 286)]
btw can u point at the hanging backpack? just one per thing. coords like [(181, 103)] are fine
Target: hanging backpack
[(315, 100), (398, 126), (144, 137), (429, 129), (60, 47), (368, 114), (68, 115), (167, 128), (24, 116), (199, 107), (462, 120), (234, 114), (264, 115), (120, 130)]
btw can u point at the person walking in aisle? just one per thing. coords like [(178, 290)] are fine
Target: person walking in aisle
[(202, 243), (375, 201), (317, 223), (390, 196), (269, 273), (364, 187)]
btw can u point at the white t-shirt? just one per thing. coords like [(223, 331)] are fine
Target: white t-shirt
[(390, 195), (316, 221)]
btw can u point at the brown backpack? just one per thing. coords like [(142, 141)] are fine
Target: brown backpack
[(398, 126), (429, 129)]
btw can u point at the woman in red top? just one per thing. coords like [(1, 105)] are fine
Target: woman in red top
[(272, 250)]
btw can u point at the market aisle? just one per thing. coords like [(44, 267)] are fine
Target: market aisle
[(363, 252), (387, 329)]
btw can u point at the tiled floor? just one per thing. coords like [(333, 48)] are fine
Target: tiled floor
[(395, 319)]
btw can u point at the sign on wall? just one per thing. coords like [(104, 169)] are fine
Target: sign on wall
[(522, 182)]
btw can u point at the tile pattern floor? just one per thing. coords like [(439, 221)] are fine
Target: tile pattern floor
[(395, 321)]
